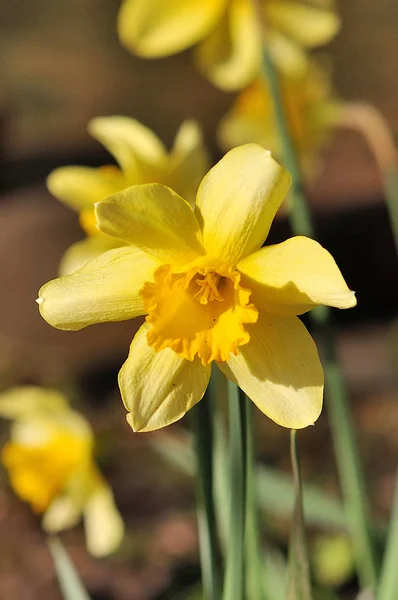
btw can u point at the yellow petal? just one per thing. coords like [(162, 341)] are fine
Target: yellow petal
[(188, 161), (158, 388), (29, 401), (309, 25), (102, 522), (250, 120), (231, 55), (85, 250), (159, 28), (293, 277), (106, 289), (237, 201), (81, 187), (287, 55), (279, 369), (62, 514), (131, 144), (154, 218)]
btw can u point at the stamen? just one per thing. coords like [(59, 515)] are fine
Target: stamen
[(208, 291)]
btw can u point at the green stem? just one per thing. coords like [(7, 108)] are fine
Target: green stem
[(348, 462), (299, 576), (389, 574), (254, 554), (347, 454), (209, 555), (234, 576), (70, 584), (299, 214)]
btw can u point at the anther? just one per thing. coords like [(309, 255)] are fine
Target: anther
[(208, 289)]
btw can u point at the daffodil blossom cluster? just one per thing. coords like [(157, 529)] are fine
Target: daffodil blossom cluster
[(310, 108), (49, 459), (211, 293), (141, 158), (227, 34)]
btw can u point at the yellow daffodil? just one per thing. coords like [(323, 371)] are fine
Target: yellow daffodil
[(141, 158), (49, 459), (310, 108), (210, 293), (228, 34)]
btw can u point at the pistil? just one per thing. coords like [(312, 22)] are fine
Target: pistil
[(208, 288)]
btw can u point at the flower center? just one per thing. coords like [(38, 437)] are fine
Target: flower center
[(198, 313), (208, 291)]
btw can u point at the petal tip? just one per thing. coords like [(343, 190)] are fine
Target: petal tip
[(130, 420), (347, 300)]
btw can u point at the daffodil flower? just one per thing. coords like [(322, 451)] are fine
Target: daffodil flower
[(311, 111), (49, 459), (211, 293), (141, 158), (227, 34)]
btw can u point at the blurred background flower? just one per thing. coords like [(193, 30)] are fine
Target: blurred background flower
[(311, 111), (141, 158), (228, 34), (49, 459)]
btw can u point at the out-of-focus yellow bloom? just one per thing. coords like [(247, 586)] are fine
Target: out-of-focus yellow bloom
[(49, 459), (310, 108), (228, 34), (210, 293), (141, 158)]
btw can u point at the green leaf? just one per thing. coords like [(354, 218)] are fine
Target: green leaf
[(274, 490), (299, 575), (388, 585), (69, 581), (275, 494)]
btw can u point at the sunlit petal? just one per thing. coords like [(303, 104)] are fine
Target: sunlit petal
[(237, 201), (106, 289), (279, 369), (154, 218), (158, 388), (293, 277)]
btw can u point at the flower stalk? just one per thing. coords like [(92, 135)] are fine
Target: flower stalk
[(208, 545), (343, 434), (299, 580), (234, 576), (255, 565)]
